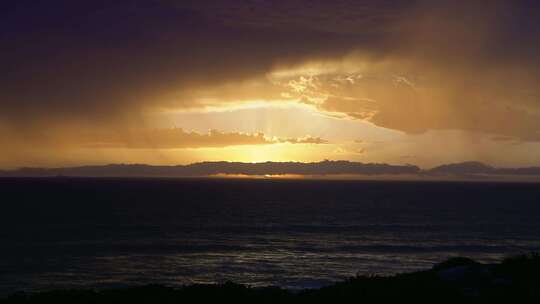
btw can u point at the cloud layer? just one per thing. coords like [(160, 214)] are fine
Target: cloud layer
[(178, 138), (411, 66)]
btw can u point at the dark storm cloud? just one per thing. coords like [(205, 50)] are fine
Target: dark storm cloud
[(78, 58), (465, 65), (105, 62)]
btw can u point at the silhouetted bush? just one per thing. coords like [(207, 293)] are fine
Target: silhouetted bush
[(454, 262)]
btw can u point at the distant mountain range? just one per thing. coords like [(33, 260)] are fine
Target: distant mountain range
[(215, 168), (323, 168), (478, 168)]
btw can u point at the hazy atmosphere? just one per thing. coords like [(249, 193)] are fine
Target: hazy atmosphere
[(167, 82)]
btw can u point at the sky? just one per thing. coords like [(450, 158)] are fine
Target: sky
[(176, 82)]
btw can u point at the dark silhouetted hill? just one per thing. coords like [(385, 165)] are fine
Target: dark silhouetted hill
[(470, 167), (232, 168), (518, 171), (478, 168)]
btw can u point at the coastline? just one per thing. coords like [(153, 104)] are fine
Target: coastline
[(456, 279)]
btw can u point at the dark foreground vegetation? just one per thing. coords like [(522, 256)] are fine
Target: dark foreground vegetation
[(457, 280)]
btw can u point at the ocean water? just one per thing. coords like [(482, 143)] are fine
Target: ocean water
[(102, 233)]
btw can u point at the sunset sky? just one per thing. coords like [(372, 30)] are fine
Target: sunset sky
[(176, 81)]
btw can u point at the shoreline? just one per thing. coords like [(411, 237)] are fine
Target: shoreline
[(514, 278)]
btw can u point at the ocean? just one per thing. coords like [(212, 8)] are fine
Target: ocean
[(113, 232)]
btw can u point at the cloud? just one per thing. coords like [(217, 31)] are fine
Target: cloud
[(489, 100), (304, 140), (101, 60), (177, 138), (172, 139), (503, 138), (405, 65), (349, 151)]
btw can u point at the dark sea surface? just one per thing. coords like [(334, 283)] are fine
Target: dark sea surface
[(101, 233)]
